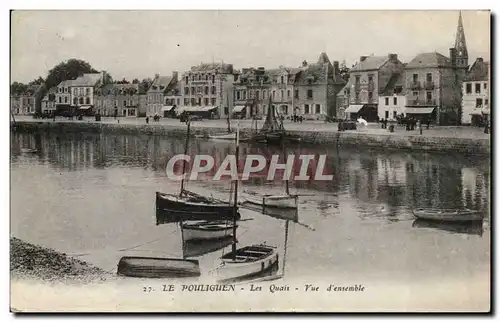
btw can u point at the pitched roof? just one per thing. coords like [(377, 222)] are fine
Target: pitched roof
[(479, 71), (429, 60), (371, 63), (323, 58), (87, 80), (220, 67), (114, 89)]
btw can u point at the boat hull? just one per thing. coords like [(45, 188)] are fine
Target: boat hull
[(250, 261), (276, 201), (449, 215), (208, 230), (177, 208), (153, 267)]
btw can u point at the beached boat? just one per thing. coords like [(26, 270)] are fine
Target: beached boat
[(247, 262), (456, 215), (199, 247), (153, 267), (207, 230), (188, 205)]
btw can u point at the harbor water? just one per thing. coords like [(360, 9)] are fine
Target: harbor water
[(93, 196)]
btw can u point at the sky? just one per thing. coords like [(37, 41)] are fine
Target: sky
[(140, 44)]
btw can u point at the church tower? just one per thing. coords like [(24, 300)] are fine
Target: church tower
[(462, 56)]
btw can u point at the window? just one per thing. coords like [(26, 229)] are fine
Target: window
[(178, 101), (186, 101), (387, 101), (186, 90), (206, 100), (478, 88), (288, 93), (468, 88), (206, 77), (274, 94), (485, 86), (187, 80), (87, 91), (415, 93), (65, 90), (75, 101), (199, 90), (193, 91), (370, 79), (199, 101), (244, 95), (75, 91), (60, 99), (309, 93), (357, 80), (306, 108), (124, 112), (318, 109), (486, 102), (415, 78), (213, 79), (60, 89), (264, 94), (386, 115), (282, 93), (395, 101), (124, 103), (282, 80), (429, 77), (370, 96), (213, 90), (257, 95), (193, 101), (296, 93), (213, 101), (429, 96), (81, 100), (479, 102), (206, 90)]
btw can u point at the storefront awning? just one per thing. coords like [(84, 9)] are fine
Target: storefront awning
[(166, 108), (198, 108), (353, 108), (419, 110), (85, 107), (238, 108)]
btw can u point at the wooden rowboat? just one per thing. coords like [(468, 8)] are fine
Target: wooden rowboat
[(456, 215), (276, 201), (152, 267), (207, 230), (246, 262)]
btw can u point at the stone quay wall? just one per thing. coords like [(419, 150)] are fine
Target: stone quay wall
[(346, 138)]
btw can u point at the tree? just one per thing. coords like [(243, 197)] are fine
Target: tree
[(144, 85), (71, 69), (17, 88), (344, 71), (123, 81), (136, 81), (37, 81)]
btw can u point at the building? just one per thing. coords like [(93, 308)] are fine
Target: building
[(392, 99), (173, 98), (434, 83), (82, 91), (315, 88), (156, 93), (208, 88), (475, 93), (367, 79), (24, 102), (309, 90), (117, 100), (49, 100)]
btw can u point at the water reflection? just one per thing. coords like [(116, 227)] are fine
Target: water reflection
[(392, 180), (471, 228)]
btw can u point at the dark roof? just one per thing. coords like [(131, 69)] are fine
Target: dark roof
[(219, 67), (396, 80), (371, 63), (429, 60), (159, 82), (479, 71), (114, 89), (86, 80)]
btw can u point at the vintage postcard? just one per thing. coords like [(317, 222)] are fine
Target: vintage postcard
[(250, 161)]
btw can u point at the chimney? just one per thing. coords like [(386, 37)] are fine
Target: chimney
[(175, 75), (480, 60), (304, 63), (362, 58), (453, 57), (103, 77), (335, 65), (157, 76), (393, 57)]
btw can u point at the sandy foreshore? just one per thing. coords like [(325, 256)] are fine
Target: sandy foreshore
[(28, 261)]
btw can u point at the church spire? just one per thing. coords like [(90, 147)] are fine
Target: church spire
[(460, 44)]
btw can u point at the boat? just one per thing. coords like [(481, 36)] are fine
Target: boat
[(188, 205), (453, 215), (248, 261), (199, 247), (28, 150), (275, 201), (154, 267), (207, 230), (272, 132), (457, 227)]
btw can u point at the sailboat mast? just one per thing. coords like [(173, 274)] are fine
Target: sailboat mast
[(228, 118), (186, 146), (287, 187), (286, 245), (235, 205)]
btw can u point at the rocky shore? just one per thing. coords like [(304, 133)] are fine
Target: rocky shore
[(28, 261)]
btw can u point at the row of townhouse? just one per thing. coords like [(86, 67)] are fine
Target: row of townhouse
[(25, 103), (430, 87)]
